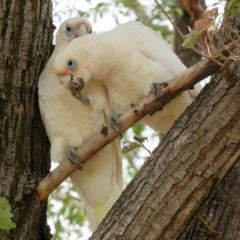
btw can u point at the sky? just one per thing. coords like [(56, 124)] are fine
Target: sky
[(105, 23), (63, 10)]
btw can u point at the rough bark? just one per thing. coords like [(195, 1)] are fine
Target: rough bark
[(26, 34), (218, 216), (192, 160)]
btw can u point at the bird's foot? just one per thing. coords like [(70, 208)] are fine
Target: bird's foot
[(115, 120), (76, 85), (157, 89), (72, 153), (83, 99)]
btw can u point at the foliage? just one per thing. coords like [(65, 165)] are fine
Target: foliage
[(66, 209), (233, 8), (121, 11), (5, 215), (200, 27), (135, 154), (205, 35)]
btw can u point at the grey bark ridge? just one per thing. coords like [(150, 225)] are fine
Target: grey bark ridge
[(26, 29)]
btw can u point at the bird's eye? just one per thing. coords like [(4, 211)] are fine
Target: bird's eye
[(69, 30), (90, 31), (72, 65)]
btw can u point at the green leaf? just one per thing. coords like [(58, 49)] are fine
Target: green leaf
[(140, 139), (130, 147), (5, 215), (220, 53), (191, 38)]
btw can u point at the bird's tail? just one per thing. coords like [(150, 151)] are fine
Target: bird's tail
[(96, 212), (99, 183)]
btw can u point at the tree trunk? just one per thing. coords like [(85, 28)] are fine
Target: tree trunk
[(26, 35), (219, 214), (192, 160)]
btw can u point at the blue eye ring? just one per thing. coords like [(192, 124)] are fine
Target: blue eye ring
[(69, 30), (72, 65)]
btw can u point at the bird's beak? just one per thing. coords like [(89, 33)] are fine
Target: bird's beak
[(65, 79), (82, 30)]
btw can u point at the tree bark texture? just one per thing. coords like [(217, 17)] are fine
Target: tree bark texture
[(219, 215), (26, 36), (188, 165)]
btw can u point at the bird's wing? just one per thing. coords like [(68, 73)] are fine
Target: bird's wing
[(154, 47), (102, 110), (157, 49)]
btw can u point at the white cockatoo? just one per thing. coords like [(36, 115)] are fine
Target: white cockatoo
[(129, 60), (69, 123)]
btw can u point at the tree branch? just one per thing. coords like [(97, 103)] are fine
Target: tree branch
[(148, 105)]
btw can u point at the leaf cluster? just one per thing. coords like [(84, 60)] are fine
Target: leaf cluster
[(6, 215)]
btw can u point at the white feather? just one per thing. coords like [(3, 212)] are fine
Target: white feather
[(128, 60), (69, 123)]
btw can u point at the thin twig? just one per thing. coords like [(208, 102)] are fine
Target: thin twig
[(141, 140), (145, 148), (179, 32), (229, 52), (210, 230)]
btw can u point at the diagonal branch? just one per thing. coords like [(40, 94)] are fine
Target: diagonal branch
[(148, 105)]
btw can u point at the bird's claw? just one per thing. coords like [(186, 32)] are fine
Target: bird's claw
[(72, 153), (157, 89), (83, 99), (112, 122), (76, 83)]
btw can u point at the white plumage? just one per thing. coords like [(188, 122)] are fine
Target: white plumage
[(128, 60), (69, 123)]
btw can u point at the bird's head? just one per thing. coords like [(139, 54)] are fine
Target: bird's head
[(75, 60), (72, 28)]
